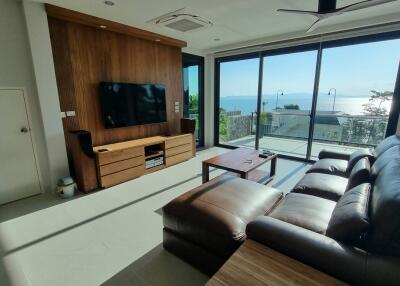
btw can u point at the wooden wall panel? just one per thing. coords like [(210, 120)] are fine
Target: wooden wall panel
[(84, 56)]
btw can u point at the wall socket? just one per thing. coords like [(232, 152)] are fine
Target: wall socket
[(177, 107)]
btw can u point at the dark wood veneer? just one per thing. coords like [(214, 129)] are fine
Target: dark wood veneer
[(88, 20), (84, 56)]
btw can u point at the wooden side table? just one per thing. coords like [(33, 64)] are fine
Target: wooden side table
[(256, 264)]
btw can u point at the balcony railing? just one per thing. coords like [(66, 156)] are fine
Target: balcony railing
[(339, 129)]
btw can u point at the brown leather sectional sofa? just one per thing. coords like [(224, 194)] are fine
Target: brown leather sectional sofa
[(342, 218)]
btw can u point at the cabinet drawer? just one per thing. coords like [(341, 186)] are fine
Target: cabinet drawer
[(178, 150), (180, 140), (121, 165), (123, 176), (171, 160), (119, 155)]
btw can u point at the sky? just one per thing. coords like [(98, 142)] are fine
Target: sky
[(193, 80), (352, 70)]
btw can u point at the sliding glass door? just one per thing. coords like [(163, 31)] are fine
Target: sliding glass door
[(193, 94), (287, 93), (297, 101), (237, 105), (355, 94)]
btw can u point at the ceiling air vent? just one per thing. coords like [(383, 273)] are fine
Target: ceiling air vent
[(182, 20)]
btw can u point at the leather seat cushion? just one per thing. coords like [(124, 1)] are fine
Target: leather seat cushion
[(306, 211), (215, 215), (322, 185), (330, 166)]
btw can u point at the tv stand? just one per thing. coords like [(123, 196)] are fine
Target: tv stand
[(123, 161)]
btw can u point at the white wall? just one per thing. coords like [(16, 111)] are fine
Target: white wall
[(209, 100), (16, 70), (43, 64)]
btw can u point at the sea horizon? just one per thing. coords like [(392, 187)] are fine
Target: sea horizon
[(352, 105)]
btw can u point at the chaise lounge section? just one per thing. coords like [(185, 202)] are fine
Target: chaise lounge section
[(207, 224), (353, 235)]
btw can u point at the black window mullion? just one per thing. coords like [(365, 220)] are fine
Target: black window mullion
[(216, 100), (395, 108), (259, 95), (314, 103)]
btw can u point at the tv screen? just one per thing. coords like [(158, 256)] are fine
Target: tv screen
[(128, 104)]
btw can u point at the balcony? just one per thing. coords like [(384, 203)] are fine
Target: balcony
[(286, 132)]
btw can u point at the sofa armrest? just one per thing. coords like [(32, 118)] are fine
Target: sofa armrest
[(330, 154), (319, 251)]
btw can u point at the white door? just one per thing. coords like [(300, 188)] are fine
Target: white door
[(18, 171)]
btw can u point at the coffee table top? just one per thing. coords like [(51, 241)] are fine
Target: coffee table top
[(256, 264), (240, 159)]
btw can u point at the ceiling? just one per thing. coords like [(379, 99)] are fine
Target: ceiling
[(235, 21)]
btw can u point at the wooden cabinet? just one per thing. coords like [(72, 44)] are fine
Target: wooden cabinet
[(178, 149), (124, 161)]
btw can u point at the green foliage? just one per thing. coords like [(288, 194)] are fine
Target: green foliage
[(194, 104), (292, 106), (223, 125), (264, 118)]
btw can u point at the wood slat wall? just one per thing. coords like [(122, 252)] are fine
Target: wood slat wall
[(84, 56)]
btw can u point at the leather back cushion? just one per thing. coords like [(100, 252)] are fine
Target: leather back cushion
[(386, 144), (350, 219), (383, 159), (360, 174), (356, 156), (385, 210)]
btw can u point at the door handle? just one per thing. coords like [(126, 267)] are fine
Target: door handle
[(24, 130)]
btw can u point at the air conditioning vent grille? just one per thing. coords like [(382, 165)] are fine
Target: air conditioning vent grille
[(182, 20), (184, 25)]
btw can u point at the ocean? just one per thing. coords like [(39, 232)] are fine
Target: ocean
[(247, 104)]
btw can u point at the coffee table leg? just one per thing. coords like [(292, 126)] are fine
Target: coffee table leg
[(273, 167), (244, 175), (206, 173)]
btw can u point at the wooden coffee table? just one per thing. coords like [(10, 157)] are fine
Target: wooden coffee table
[(244, 163), (256, 264)]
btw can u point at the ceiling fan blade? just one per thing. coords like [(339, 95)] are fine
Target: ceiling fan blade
[(363, 5), (314, 26), (313, 13)]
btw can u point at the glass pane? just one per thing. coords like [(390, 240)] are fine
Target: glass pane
[(238, 102), (191, 96), (288, 84), (355, 95)]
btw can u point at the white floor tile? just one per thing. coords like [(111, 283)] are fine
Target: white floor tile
[(112, 236)]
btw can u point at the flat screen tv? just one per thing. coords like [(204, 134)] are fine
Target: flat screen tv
[(128, 104)]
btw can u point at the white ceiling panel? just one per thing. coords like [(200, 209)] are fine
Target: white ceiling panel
[(235, 21)]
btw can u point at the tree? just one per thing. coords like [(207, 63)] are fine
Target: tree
[(374, 106), (194, 104), (292, 106), (375, 127)]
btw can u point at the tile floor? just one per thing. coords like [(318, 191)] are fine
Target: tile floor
[(111, 237)]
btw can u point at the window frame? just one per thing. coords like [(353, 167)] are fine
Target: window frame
[(394, 115), (194, 60)]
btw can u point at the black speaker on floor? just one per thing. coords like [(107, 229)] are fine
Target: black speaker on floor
[(83, 159), (188, 125)]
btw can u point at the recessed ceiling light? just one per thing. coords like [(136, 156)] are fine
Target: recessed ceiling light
[(103, 27), (217, 39), (109, 3), (158, 40)]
